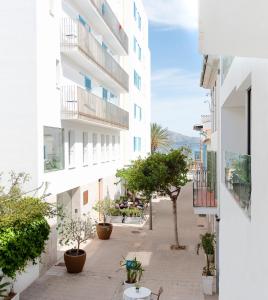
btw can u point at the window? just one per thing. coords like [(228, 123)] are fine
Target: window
[(104, 94), (137, 16), (103, 148), (53, 149), (137, 80), (137, 112), (137, 48), (71, 148), (134, 44), (137, 144), (87, 82), (85, 148), (82, 20), (94, 148), (135, 11), (104, 46), (113, 148), (107, 147)]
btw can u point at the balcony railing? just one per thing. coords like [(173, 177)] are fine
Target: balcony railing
[(74, 34), (205, 184), (226, 63), (238, 179), (77, 103), (112, 22)]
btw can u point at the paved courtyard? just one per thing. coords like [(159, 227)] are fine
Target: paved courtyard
[(178, 272)]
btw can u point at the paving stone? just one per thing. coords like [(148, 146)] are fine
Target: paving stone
[(177, 271)]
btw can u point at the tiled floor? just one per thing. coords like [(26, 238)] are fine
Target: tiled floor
[(178, 272)]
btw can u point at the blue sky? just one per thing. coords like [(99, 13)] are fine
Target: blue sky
[(177, 99)]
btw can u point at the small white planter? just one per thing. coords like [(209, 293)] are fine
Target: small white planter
[(116, 219), (128, 285), (207, 284), (133, 220)]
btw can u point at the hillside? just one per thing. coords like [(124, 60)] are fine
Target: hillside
[(178, 140)]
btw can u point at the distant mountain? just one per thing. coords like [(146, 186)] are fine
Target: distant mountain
[(179, 140)]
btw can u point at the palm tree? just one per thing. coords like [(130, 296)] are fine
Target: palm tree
[(159, 137)]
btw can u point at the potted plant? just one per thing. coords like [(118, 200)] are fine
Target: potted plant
[(104, 229), (134, 271), (6, 290), (75, 231), (207, 244)]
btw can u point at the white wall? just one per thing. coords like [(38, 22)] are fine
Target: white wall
[(18, 114), (236, 28), (243, 241)]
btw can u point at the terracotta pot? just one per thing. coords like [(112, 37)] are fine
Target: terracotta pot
[(74, 262), (104, 230)]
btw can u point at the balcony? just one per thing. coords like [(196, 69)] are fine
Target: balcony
[(238, 179), (99, 13), (205, 187), (79, 104), (226, 63), (80, 46)]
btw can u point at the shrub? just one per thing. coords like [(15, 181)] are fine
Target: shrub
[(21, 244)]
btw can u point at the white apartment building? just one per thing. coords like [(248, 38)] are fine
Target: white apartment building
[(75, 86), (235, 69)]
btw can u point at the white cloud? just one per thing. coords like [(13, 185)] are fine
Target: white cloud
[(175, 79), (173, 13)]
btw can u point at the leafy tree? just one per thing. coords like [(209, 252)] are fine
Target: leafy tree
[(159, 137), (142, 175), (173, 179)]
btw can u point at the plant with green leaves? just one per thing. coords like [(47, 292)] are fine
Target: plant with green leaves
[(208, 246), (75, 231), (3, 288), (24, 229), (134, 270), (103, 207)]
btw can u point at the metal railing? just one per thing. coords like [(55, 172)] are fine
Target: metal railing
[(205, 183), (74, 34), (238, 179), (77, 103), (112, 22)]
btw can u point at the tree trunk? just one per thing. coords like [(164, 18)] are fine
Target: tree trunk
[(174, 204), (151, 214)]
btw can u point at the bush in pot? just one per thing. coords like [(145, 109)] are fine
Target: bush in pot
[(134, 271), (75, 231), (208, 246), (104, 229)]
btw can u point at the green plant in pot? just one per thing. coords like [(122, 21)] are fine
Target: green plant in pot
[(75, 231), (4, 290), (208, 246), (134, 271), (104, 229)]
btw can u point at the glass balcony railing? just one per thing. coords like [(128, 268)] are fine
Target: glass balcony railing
[(73, 34), (226, 63), (111, 21), (79, 104), (238, 179)]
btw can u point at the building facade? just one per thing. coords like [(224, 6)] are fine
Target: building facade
[(235, 73), (75, 82)]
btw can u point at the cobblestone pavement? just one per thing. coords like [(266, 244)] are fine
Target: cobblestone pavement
[(177, 271)]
